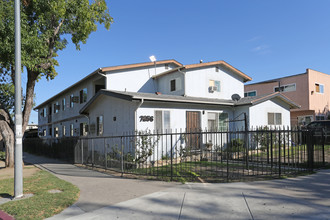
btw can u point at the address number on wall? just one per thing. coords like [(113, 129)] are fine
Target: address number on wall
[(146, 118)]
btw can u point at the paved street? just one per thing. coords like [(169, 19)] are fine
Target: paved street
[(107, 197)]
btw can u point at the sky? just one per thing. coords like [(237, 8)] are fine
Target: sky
[(263, 39)]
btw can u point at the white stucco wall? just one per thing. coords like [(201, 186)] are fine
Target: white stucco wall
[(178, 114), (136, 79), (197, 83), (164, 83), (239, 116), (259, 113), (68, 115), (118, 115)]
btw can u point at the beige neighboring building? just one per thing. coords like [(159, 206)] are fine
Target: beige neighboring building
[(311, 90)]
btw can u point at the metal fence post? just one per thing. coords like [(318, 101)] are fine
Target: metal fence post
[(246, 142), (105, 155), (92, 153), (171, 157), (271, 152), (323, 143), (279, 153), (228, 148), (310, 150), (82, 150), (122, 156)]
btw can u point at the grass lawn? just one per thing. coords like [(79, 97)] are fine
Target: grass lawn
[(42, 204)]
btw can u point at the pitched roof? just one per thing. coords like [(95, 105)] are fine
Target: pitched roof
[(253, 100), (136, 65), (94, 73), (130, 96), (201, 65), (107, 69)]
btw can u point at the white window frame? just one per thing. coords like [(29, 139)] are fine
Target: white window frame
[(274, 118), (165, 125), (63, 131), (71, 130), (219, 125), (214, 85), (99, 126)]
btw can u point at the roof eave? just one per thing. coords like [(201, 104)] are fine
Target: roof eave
[(67, 89)]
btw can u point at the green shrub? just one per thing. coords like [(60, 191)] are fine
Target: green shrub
[(236, 145)]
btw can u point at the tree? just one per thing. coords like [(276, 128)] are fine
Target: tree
[(45, 27)]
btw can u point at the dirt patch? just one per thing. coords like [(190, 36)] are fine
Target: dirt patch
[(6, 173)]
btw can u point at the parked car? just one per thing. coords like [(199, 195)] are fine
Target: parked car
[(319, 127)]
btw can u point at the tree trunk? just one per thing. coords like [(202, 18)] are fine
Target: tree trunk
[(9, 139), (7, 134), (32, 77)]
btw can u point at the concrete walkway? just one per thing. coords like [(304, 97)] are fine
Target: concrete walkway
[(107, 197)]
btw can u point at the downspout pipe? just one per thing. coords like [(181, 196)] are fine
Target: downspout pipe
[(139, 105)]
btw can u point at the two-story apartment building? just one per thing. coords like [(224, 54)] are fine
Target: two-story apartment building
[(159, 95), (311, 90)]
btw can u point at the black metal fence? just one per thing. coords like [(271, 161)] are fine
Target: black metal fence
[(212, 156), (58, 148)]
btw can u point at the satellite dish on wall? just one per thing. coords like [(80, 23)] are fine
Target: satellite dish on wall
[(235, 97)]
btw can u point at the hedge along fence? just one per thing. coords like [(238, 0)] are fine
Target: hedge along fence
[(59, 148)]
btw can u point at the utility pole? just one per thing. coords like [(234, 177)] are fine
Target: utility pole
[(18, 188)]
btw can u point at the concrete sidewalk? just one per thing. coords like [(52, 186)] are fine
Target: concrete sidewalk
[(106, 197)]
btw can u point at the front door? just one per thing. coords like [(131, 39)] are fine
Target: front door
[(193, 126)]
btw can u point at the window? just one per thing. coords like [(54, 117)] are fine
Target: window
[(223, 121), (43, 112), (166, 66), (285, 88), (63, 104), (71, 101), (71, 130), (44, 133), (56, 107), (56, 132), (50, 131), (212, 121), (83, 95), (83, 129), (250, 93), (162, 120), (274, 118), (214, 86), (175, 84), (63, 131), (319, 88), (99, 125), (217, 121)]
